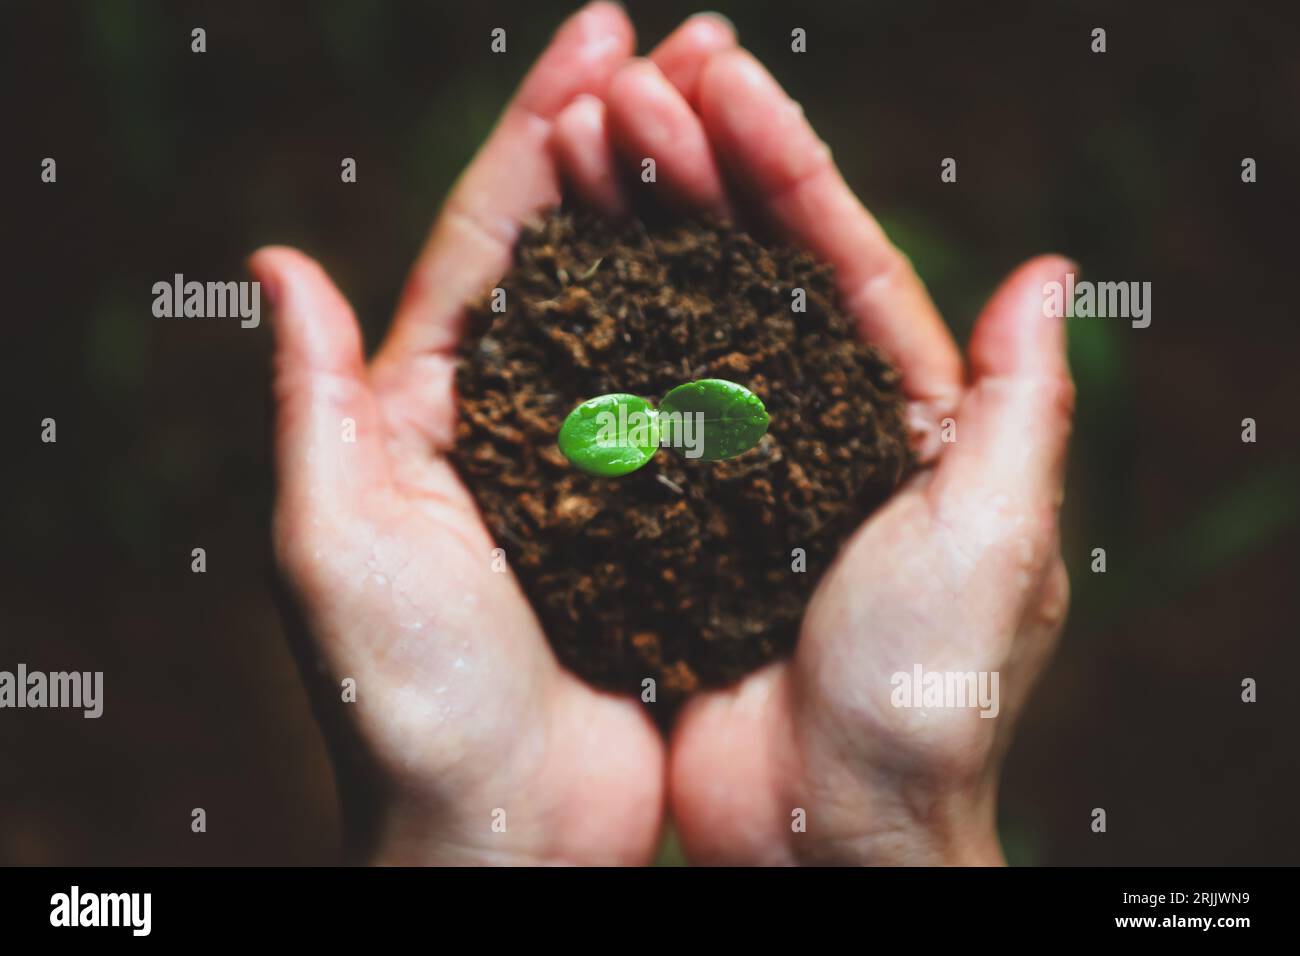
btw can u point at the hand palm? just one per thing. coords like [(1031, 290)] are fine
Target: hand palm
[(461, 709)]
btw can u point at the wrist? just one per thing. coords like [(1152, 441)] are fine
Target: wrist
[(385, 827), (907, 828), (426, 836)]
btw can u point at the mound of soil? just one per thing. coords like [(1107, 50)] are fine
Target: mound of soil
[(684, 571)]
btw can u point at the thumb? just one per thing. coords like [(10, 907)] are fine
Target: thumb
[(327, 445), (1014, 422)]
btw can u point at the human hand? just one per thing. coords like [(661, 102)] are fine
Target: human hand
[(461, 709), (959, 571)]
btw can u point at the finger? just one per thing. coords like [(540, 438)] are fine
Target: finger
[(650, 121), (328, 450), (512, 177), (733, 738), (583, 153), (682, 54), (582, 143), (776, 160), (1013, 426)]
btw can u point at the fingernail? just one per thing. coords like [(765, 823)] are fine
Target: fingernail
[(271, 291), (269, 286), (722, 18)]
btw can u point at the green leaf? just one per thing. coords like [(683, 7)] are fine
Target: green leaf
[(610, 435), (712, 419)]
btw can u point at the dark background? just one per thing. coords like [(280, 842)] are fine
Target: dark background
[(170, 161)]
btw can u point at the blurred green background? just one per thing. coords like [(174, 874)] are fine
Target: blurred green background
[(174, 162)]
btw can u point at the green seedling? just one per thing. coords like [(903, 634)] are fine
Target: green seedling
[(591, 437), (712, 419)]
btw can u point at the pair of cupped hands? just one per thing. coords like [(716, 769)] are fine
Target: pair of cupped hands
[(467, 742)]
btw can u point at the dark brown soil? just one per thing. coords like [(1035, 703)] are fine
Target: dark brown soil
[(681, 571)]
